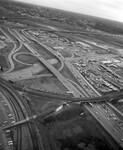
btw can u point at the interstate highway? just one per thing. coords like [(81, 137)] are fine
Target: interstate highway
[(66, 83), (19, 112), (108, 125)]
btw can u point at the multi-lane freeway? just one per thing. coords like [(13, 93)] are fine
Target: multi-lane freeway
[(16, 110), (96, 110), (101, 114)]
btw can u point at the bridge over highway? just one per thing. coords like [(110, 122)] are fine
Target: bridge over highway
[(100, 111), (103, 112), (17, 111)]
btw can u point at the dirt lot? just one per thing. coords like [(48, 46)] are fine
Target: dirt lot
[(65, 54), (47, 84), (119, 106), (71, 131)]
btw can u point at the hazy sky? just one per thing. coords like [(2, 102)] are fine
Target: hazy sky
[(112, 9)]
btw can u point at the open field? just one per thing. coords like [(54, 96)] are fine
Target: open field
[(65, 72), (69, 130), (42, 51), (65, 54), (3, 62), (39, 105), (119, 106), (27, 58), (19, 66), (7, 49), (48, 84)]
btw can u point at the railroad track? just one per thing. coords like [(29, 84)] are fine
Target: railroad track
[(91, 108), (105, 98), (20, 113)]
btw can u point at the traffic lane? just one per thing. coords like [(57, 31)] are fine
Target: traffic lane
[(82, 89), (82, 78), (107, 113), (67, 84), (108, 126), (62, 80), (6, 108)]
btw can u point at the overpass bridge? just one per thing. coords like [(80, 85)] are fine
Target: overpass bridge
[(97, 110), (101, 110)]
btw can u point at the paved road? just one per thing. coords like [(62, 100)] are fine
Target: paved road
[(91, 92), (102, 117), (109, 125), (15, 116), (98, 113), (15, 49), (24, 73), (46, 47), (64, 81), (19, 112)]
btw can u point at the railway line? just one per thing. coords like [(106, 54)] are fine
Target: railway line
[(105, 98), (20, 112)]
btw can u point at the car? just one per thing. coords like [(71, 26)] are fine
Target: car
[(13, 121), (99, 118), (96, 112), (10, 143), (114, 129), (90, 104), (108, 118), (70, 92)]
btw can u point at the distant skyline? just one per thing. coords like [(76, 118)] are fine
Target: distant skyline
[(110, 9)]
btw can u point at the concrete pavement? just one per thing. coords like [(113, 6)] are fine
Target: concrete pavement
[(98, 113)]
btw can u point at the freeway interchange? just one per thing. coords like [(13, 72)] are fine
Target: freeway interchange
[(96, 104)]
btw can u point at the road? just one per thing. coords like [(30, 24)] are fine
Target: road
[(46, 47), (64, 81), (15, 49), (96, 110), (102, 118), (19, 112), (91, 92), (99, 113)]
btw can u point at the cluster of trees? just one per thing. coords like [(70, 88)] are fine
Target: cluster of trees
[(62, 17), (107, 28)]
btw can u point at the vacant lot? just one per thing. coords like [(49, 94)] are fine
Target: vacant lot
[(27, 58), (65, 54), (42, 51), (71, 131), (48, 84)]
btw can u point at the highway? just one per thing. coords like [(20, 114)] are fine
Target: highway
[(107, 122), (12, 55), (64, 81), (98, 112), (22, 74), (16, 47), (20, 112), (109, 125), (91, 92), (46, 47)]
